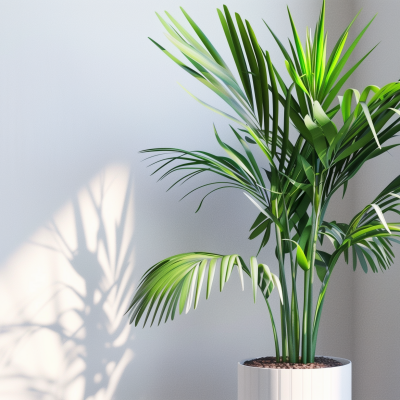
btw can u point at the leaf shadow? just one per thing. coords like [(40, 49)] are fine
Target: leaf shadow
[(75, 326)]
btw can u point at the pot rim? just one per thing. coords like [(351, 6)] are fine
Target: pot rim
[(344, 361)]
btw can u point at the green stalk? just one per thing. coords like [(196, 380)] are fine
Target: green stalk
[(310, 301), (316, 326), (314, 237), (295, 325), (321, 298), (278, 356), (304, 352), (285, 306), (307, 354), (309, 304), (283, 334), (287, 337)]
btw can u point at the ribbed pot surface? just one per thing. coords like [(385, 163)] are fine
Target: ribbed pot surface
[(295, 384)]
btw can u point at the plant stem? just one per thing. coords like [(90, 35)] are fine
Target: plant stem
[(321, 298), (304, 353), (307, 350), (278, 356), (316, 327), (310, 306), (314, 238), (295, 325), (285, 305), (283, 334)]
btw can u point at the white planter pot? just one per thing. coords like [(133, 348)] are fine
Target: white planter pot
[(295, 384)]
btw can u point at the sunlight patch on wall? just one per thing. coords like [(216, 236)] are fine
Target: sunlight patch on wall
[(63, 295)]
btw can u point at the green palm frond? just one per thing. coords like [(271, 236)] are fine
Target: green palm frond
[(175, 283), (239, 169), (368, 235), (367, 127), (250, 99), (371, 246), (308, 67), (368, 231)]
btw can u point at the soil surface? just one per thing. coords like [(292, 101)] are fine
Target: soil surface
[(270, 362)]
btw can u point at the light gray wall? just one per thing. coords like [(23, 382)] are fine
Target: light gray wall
[(82, 91), (377, 317)]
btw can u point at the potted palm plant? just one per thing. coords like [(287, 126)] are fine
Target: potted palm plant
[(306, 158)]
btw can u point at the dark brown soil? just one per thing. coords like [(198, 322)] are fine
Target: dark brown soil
[(270, 362)]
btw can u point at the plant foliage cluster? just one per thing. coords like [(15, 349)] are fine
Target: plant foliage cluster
[(293, 187)]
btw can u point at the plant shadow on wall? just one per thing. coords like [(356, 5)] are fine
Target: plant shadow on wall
[(65, 336)]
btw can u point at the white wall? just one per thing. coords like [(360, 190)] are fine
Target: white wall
[(82, 91), (377, 299)]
